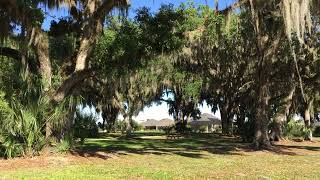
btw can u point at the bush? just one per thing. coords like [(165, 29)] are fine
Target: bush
[(168, 130), (136, 126), (295, 129), (120, 125), (203, 129), (316, 131), (12, 148), (21, 127), (64, 146), (85, 126), (245, 129)]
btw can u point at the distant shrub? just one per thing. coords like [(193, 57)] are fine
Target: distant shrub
[(203, 129), (136, 126), (316, 131), (181, 127), (120, 125), (64, 146), (168, 130), (295, 129), (245, 130), (85, 126), (188, 129)]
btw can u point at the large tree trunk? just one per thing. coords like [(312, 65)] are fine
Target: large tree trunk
[(277, 131), (242, 127), (266, 49), (281, 116), (307, 119), (90, 34), (225, 120), (41, 47), (66, 132), (261, 138), (128, 121), (69, 83)]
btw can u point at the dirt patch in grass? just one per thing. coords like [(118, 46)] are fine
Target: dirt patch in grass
[(299, 148), (55, 160)]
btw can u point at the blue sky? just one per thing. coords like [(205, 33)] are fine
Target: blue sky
[(154, 5), (153, 112)]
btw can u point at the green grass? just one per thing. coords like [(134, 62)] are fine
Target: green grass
[(150, 156)]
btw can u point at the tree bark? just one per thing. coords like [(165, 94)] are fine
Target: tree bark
[(224, 120), (9, 52), (281, 116), (241, 123), (41, 48), (66, 131), (128, 125), (70, 83), (48, 130), (265, 53), (91, 32), (261, 138)]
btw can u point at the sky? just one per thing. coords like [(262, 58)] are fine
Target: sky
[(154, 5), (153, 112), (161, 112), (157, 112)]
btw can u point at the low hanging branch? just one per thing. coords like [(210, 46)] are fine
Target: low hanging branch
[(233, 6), (70, 83), (297, 18), (294, 55), (9, 52), (296, 14)]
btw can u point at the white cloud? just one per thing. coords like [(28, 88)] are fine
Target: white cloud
[(155, 111), (161, 112)]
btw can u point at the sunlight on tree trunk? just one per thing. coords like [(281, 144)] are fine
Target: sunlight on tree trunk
[(281, 116), (307, 119), (41, 46)]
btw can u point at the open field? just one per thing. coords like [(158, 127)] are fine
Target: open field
[(151, 156)]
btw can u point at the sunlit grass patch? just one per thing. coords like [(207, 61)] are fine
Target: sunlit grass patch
[(194, 157)]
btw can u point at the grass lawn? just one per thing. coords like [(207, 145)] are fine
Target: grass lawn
[(151, 156)]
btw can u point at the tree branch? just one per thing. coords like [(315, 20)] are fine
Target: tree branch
[(233, 6), (166, 100), (108, 5), (70, 83), (9, 52)]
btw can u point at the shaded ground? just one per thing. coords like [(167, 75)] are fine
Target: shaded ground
[(152, 156)]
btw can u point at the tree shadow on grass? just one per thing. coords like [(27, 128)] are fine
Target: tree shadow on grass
[(299, 147), (194, 146)]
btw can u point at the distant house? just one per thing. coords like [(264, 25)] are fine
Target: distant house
[(207, 121), (152, 124)]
